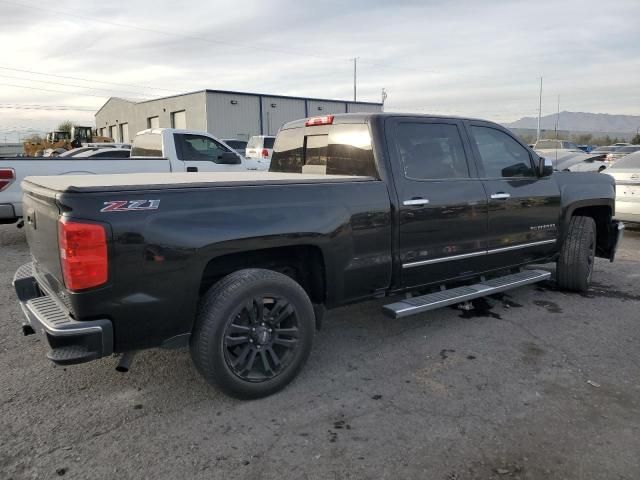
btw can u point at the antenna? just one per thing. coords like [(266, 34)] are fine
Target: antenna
[(539, 112), (355, 73)]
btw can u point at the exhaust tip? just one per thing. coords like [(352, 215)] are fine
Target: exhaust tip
[(28, 330), (125, 362)]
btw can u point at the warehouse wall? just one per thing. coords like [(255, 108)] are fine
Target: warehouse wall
[(362, 108), (233, 120), (278, 111), (318, 107), (193, 105), (114, 112), (223, 114), (117, 111)]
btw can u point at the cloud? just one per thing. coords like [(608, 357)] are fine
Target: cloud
[(461, 57)]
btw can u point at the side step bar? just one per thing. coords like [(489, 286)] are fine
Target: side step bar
[(431, 301)]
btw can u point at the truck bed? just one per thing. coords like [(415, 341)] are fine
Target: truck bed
[(154, 181)]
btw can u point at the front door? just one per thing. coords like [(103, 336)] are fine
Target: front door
[(442, 204), (200, 153), (524, 208)]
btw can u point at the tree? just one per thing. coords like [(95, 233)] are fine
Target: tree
[(65, 126), (35, 138), (636, 140)]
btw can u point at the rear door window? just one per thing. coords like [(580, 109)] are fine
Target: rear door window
[(431, 151)]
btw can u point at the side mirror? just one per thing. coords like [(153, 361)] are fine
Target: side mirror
[(228, 158), (545, 167)]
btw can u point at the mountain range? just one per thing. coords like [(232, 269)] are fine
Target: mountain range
[(582, 122)]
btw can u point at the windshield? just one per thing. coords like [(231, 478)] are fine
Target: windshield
[(630, 161), (268, 142)]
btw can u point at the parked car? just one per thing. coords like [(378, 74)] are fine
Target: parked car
[(586, 148), (75, 151), (572, 161), (240, 266), (550, 144), (157, 150), (613, 157), (259, 151), (626, 173), (105, 153), (621, 144), (604, 151), (239, 146)]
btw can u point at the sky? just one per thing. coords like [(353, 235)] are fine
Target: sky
[(62, 60)]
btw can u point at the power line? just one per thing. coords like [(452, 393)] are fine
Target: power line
[(49, 82), (86, 79), (55, 91), (15, 106)]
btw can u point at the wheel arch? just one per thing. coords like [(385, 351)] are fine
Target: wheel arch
[(303, 263), (602, 212)]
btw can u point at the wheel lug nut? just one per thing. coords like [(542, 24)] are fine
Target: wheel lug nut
[(251, 340)]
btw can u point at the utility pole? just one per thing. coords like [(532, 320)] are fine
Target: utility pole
[(558, 119), (355, 73), (384, 96), (539, 112)]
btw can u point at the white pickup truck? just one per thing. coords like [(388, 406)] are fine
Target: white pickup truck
[(153, 150)]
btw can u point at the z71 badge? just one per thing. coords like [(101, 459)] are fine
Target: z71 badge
[(130, 205)]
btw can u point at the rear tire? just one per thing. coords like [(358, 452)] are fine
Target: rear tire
[(253, 333), (575, 264)]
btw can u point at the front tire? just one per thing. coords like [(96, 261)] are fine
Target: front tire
[(253, 333), (575, 264)]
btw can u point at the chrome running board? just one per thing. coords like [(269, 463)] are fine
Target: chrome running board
[(431, 301)]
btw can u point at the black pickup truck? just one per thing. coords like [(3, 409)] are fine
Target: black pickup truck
[(241, 266)]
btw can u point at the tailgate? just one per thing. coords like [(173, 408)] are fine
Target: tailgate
[(41, 215)]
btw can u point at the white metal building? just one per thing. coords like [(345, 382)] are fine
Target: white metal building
[(224, 114)]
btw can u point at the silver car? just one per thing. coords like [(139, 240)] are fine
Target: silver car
[(626, 172)]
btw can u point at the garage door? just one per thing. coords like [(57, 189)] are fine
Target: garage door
[(179, 119), (113, 132), (124, 133), (153, 122)]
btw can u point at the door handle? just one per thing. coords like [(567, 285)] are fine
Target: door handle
[(500, 196), (415, 201), (192, 169)]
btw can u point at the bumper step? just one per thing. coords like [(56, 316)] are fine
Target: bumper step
[(432, 301), (71, 355)]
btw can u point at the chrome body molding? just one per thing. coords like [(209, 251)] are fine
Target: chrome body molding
[(476, 254)]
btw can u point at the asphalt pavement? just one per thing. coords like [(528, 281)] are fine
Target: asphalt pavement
[(535, 384)]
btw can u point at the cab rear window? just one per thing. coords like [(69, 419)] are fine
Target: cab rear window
[(341, 150), (147, 145)]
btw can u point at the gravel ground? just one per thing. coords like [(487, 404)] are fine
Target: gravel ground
[(536, 384)]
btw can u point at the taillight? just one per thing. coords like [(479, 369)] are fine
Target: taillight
[(7, 177), (324, 120), (83, 254), (265, 153)]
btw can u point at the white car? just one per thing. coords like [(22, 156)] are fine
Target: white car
[(259, 151), (75, 151), (626, 172), (105, 153)]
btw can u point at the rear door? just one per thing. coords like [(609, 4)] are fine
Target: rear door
[(524, 208), (442, 204)]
